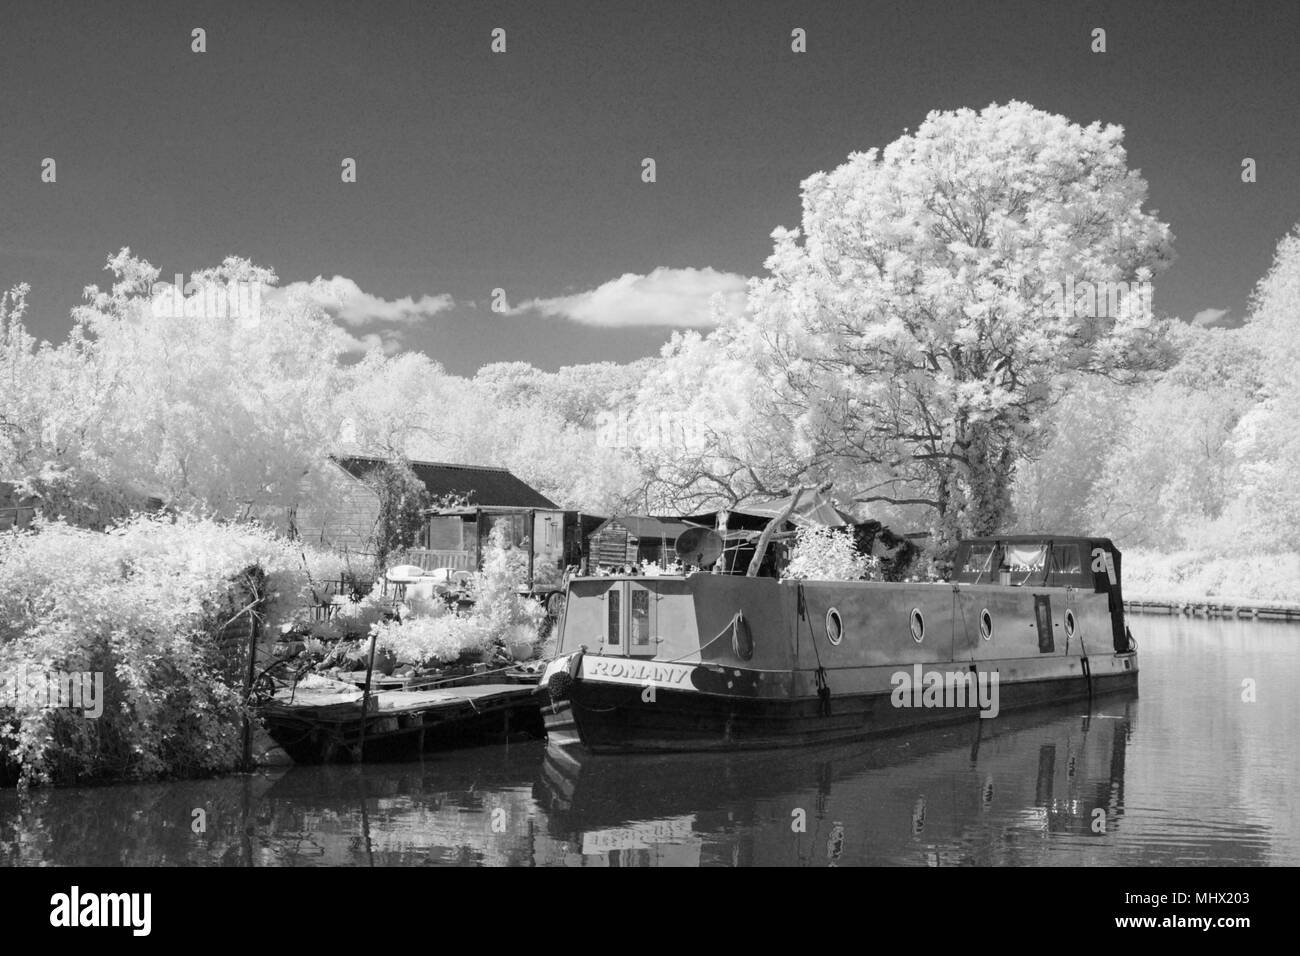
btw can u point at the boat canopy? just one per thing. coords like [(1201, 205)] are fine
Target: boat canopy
[(1046, 561), (1042, 560)]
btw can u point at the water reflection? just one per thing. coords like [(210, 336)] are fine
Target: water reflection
[(988, 792), (1189, 772)]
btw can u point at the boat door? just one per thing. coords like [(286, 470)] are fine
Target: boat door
[(640, 620), (630, 620)]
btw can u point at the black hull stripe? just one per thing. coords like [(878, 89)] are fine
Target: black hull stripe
[(614, 718)]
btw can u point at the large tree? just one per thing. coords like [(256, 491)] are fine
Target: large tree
[(929, 311), (220, 409)]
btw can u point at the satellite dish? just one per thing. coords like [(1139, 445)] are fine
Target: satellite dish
[(699, 546)]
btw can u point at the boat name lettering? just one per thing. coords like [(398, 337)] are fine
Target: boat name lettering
[(641, 673)]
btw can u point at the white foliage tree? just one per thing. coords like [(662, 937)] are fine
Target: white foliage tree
[(914, 322)]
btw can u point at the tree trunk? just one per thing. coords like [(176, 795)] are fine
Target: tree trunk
[(974, 495), (757, 561)]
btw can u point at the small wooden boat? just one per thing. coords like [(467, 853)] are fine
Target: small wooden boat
[(721, 662)]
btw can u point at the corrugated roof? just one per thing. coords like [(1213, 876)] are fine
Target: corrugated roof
[(480, 484)]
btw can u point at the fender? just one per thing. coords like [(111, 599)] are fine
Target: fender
[(561, 673)]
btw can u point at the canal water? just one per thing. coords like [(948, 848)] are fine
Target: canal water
[(1189, 771)]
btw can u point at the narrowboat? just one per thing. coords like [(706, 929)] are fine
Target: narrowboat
[(720, 662)]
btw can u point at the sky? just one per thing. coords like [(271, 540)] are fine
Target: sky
[(522, 171)]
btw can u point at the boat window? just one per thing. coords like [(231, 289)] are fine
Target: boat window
[(834, 626), (1040, 563), (917, 624), (1043, 618), (980, 565), (1024, 561), (1065, 559), (986, 624), (640, 636), (615, 624), (1066, 568)]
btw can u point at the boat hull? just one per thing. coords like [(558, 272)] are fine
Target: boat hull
[(714, 662), (614, 718), (557, 718)]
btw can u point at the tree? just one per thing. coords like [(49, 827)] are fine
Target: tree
[(1167, 471), (1054, 488), (1265, 440), (222, 411), (927, 314), (722, 436), (403, 499), (394, 406)]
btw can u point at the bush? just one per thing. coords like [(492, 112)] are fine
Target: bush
[(146, 605), (827, 554), (500, 615)]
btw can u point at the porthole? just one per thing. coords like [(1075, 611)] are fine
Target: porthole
[(1069, 624), (834, 627), (917, 624), (986, 624)]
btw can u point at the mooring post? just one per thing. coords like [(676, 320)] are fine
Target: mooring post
[(250, 670), (532, 544), (365, 699)]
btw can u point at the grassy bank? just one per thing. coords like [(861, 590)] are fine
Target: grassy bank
[(1197, 575)]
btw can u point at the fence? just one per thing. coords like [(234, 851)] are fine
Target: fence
[(427, 559)]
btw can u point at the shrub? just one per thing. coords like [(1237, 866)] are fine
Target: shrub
[(500, 615), (827, 554), (146, 605)]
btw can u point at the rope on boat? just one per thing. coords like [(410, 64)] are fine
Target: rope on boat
[(737, 620), (1083, 648), (819, 676)]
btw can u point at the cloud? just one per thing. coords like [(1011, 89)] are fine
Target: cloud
[(1208, 317), (673, 297), (343, 299), (388, 342)]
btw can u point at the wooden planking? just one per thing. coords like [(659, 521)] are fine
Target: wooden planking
[(319, 706), (324, 727)]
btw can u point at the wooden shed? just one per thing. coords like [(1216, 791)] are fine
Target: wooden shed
[(635, 539), (16, 508)]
